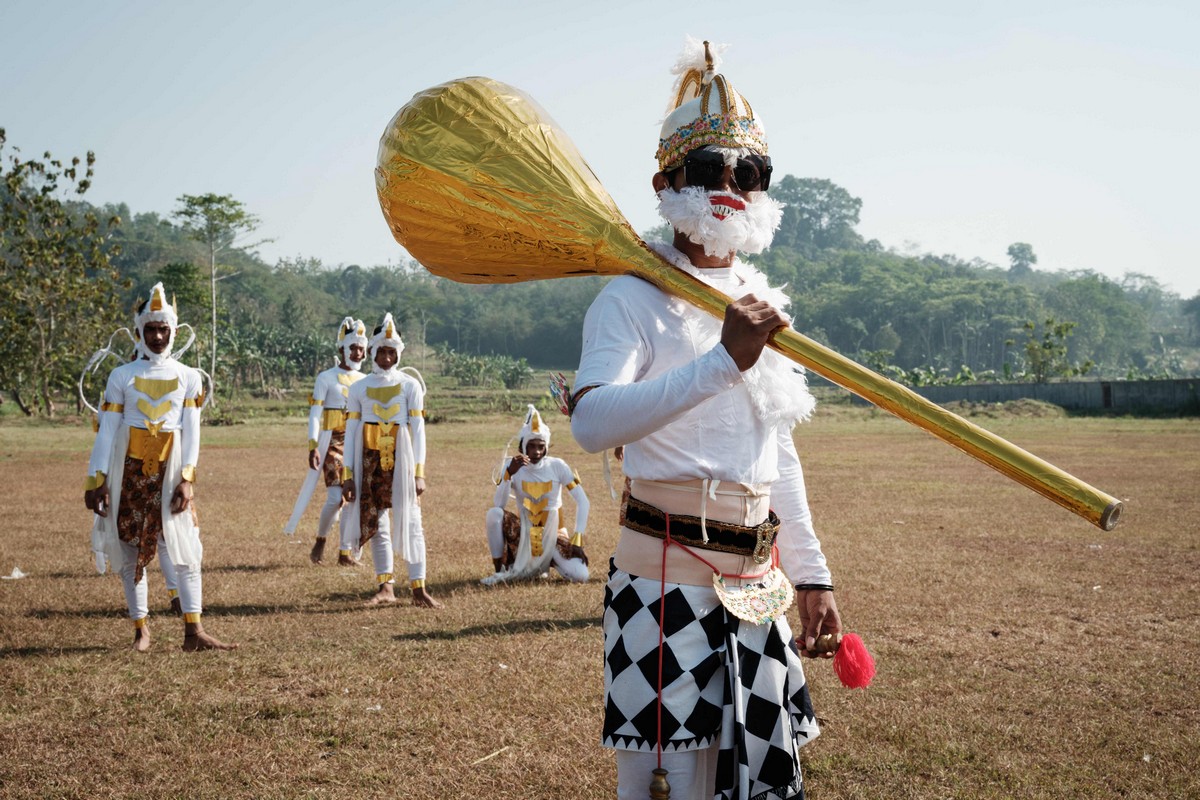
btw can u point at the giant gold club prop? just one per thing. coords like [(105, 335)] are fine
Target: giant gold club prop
[(481, 186)]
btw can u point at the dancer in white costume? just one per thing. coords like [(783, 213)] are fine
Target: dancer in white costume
[(528, 543), (326, 438), (702, 676), (148, 445), (385, 456)]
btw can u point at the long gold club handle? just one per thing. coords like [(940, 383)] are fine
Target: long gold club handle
[(1099, 508)]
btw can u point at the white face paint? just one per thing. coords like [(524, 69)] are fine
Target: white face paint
[(720, 221)]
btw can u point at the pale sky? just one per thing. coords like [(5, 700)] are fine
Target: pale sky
[(964, 127)]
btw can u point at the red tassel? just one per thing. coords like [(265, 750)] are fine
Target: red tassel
[(853, 664)]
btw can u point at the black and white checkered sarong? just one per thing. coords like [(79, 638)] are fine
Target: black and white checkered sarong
[(724, 680)]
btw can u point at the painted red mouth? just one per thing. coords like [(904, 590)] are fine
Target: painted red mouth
[(723, 205)]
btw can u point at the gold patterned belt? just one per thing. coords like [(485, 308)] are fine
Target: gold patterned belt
[(333, 419), (151, 448), (376, 437)]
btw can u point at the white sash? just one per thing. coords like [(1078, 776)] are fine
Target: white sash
[(310, 484)]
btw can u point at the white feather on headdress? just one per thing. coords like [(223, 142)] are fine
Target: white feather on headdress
[(693, 61)]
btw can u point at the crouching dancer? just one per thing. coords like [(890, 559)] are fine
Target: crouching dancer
[(526, 546), (147, 447)]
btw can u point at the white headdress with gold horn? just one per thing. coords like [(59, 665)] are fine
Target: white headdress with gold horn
[(534, 428), (388, 336), (351, 331), (156, 309)]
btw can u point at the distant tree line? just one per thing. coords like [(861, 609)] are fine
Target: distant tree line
[(922, 318)]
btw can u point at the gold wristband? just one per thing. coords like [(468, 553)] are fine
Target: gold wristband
[(347, 474), (188, 473), (577, 539), (312, 444), (93, 481), (419, 471)]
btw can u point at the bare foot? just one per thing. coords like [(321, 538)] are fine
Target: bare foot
[(196, 642), (385, 595), (141, 639), (176, 608), (423, 599), (318, 551), (347, 561)]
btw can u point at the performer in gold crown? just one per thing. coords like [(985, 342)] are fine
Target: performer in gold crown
[(385, 456), (148, 445), (717, 500), (527, 544), (326, 438)]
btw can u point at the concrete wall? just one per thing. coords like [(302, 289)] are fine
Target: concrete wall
[(1120, 396)]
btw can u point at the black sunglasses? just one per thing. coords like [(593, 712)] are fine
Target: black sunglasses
[(706, 168)]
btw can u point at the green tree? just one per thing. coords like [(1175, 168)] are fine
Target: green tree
[(218, 222), (58, 288), (819, 215), (1046, 354), (1022, 258)]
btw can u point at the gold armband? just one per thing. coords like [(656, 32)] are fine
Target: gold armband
[(419, 471), (193, 402), (577, 539), (312, 444), (353, 415), (571, 485), (312, 401), (117, 408), (93, 481), (188, 473), (347, 474), (416, 412)]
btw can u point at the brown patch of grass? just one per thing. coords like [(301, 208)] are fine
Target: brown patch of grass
[(1021, 651)]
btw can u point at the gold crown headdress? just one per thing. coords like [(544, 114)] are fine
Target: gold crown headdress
[(705, 109)]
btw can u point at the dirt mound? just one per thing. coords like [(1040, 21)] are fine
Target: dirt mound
[(1025, 408)]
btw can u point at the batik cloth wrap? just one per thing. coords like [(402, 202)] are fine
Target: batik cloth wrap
[(180, 532), (393, 489)]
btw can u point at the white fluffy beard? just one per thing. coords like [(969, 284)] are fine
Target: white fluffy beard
[(693, 212)]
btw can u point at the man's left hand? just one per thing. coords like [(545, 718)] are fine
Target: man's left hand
[(818, 616), (182, 498)]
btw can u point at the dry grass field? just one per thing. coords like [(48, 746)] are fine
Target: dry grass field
[(1022, 653)]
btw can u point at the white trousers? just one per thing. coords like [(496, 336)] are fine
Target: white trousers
[(187, 580), (382, 553), (572, 569), (329, 511), (692, 774), (168, 569)]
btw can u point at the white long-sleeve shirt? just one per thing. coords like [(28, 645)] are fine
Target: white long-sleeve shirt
[(386, 400), (666, 389), (330, 392), (141, 394)]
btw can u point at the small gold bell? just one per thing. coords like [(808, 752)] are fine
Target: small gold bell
[(659, 788)]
